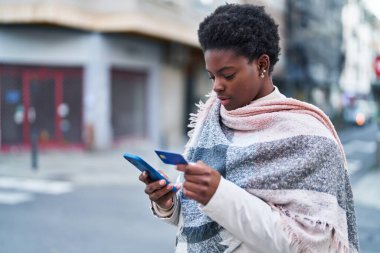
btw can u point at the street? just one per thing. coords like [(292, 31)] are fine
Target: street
[(89, 219), (77, 202), (360, 147), (93, 202)]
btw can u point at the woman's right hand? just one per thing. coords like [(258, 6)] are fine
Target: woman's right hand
[(158, 191)]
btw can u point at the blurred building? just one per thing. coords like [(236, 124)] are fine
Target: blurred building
[(360, 33), (328, 49), (93, 73), (357, 32), (314, 50)]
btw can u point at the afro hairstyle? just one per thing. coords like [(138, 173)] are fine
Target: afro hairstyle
[(246, 29)]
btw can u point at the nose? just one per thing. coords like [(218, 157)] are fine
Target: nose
[(218, 85)]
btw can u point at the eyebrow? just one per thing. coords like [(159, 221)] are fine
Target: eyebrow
[(222, 69)]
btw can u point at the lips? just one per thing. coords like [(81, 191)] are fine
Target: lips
[(224, 100)]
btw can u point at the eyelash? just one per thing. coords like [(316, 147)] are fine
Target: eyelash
[(230, 77)]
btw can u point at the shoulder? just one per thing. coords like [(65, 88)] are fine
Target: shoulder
[(303, 118), (296, 123), (285, 125)]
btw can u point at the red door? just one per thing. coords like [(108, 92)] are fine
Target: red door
[(40, 100)]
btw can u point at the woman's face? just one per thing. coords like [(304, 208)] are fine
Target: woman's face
[(236, 81)]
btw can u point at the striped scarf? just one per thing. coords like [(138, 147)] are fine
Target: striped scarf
[(288, 154)]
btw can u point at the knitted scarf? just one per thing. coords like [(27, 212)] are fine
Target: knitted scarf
[(288, 154)]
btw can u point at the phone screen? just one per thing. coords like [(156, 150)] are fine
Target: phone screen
[(140, 164)]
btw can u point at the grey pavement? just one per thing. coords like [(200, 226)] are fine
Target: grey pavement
[(367, 201), (84, 167), (110, 168), (367, 190), (80, 201)]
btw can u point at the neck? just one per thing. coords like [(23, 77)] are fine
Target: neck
[(267, 89)]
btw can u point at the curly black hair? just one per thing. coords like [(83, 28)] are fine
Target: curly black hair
[(246, 29)]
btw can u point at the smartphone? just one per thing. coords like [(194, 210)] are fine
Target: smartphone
[(140, 164)]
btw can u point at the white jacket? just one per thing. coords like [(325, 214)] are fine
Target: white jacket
[(251, 225)]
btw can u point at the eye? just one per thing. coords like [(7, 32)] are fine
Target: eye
[(212, 77), (229, 77)]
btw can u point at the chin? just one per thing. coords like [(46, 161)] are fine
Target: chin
[(230, 107)]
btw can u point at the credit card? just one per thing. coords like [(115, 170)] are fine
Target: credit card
[(171, 158)]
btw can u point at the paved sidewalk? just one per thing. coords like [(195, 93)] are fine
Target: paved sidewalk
[(367, 190), (83, 167), (367, 204), (109, 167)]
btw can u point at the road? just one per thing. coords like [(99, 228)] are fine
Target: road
[(360, 147), (88, 219), (77, 203), (67, 210)]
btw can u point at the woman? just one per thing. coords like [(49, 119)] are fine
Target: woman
[(267, 173)]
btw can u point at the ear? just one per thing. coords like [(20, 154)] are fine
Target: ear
[(263, 62)]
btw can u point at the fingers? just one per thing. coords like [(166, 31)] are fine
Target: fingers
[(181, 167), (198, 179), (162, 194), (198, 168), (196, 192), (154, 186), (159, 191), (144, 177), (194, 196), (201, 181), (194, 188)]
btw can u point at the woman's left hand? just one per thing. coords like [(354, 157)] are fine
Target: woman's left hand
[(201, 181)]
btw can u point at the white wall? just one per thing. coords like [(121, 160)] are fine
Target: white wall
[(357, 36), (172, 107), (27, 45)]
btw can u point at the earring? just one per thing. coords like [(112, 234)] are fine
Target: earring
[(262, 75)]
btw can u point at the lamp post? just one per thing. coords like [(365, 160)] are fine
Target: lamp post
[(33, 138), (378, 150)]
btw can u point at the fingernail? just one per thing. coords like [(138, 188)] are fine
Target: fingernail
[(169, 186), (162, 182)]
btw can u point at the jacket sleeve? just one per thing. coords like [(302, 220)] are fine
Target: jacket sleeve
[(248, 218), (170, 216)]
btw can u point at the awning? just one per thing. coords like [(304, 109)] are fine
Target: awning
[(123, 21)]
